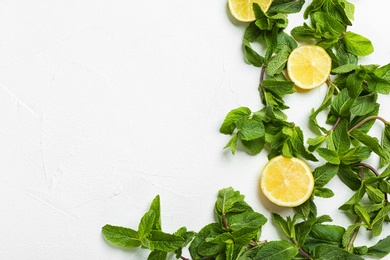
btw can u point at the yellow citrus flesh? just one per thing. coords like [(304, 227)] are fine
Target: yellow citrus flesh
[(242, 10), (287, 182), (309, 66)]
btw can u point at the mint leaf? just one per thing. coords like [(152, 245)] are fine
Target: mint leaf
[(357, 44), (157, 255), (331, 156), (323, 174), (251, 55), (121, 236), (229, 124), (274, 250), (380, 249), (159, 240), (230, 200), (146, 224), (277, 63), (326, 252), (286, 6), (323, 192)]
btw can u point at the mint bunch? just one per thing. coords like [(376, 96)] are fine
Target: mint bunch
[(343, 142)]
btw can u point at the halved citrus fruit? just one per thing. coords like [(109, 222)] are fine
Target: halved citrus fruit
[(287, 181), (242, 10), (309, 66)]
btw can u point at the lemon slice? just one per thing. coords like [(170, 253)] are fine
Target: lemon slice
[(287, 181), (242, 10), (309, 66)]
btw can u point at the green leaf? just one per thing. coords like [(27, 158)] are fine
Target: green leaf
[(357, 44), (304, 32), (355, 199), (277, 63), (209, 231), (254, 146), (232, 144), (370, 142), (380, 249), (340, 137), (327, 252), (362, 213), (229, 124), (297, 142), (251, 55), (349, 232), (252, 33), (186, 235), (159, 240), (349, 177), (121, 236), (323, 192), (326, 234), (214, 246), (323, 174), (286, 6), (285, 40), (246, 219), (155, 206), (342, 103), (327, 25), (157, 255), (250, 129), (330, 156), (384, 160), (146, 224), (274, 250), (279, 88), (364, 105), (379, 219), (375, 195), (230, 200), (346, 68), (355, 155), (315, 142)]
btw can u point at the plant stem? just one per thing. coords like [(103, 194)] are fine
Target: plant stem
[(335, 124), (184, 258), (301, 251), (262, 74), (353, 237), (329, 82), (368, 167), (224, 221), (368, 119), (372, 170)]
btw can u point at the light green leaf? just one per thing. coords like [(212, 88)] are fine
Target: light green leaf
[(330, 156), (380, 249), (357, 44), (229, 124), (121, 236), (146, 224)]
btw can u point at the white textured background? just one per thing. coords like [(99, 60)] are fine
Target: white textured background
[(105, 104)]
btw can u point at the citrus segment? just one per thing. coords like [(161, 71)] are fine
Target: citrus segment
[(242, 10), (309, 66), (287, 181)]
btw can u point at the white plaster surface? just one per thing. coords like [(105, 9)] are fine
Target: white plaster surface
[(105, 104)]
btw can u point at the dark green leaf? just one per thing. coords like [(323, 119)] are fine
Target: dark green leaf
[(278, 62), (286, 6), (326, 234), (380, 249), (342, 103), (252, 56), (246, 219), (355, 199), (323, 192), (279, 88), (250, 129), (349, 177), (274, 250), (364, 105), (327, 252), (209, 231)]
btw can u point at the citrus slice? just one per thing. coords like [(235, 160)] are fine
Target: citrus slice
[(309, 66), (242, 10), (287, 181)]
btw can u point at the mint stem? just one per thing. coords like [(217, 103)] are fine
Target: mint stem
[(353, 237), (262, 73), (374, 171), (304, 253), (224, 221), (335, 124), (368, 119), (184, 258)]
